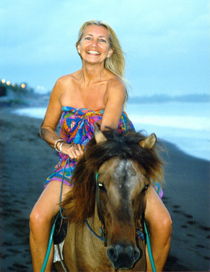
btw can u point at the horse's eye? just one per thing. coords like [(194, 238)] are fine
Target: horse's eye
[(101, 187), (146, 186)]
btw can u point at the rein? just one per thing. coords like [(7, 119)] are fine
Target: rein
[(50, 241), (61, 192), (101, 237), (102, 232)]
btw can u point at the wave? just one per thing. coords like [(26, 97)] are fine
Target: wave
[(186, 125), (163, 98), (180, 122)]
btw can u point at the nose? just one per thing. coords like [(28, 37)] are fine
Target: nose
[(123, 256), (94, 42)]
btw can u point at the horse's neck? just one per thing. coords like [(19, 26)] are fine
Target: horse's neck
[(81, 244)]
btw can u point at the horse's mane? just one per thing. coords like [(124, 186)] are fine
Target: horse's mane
[(79, 203)]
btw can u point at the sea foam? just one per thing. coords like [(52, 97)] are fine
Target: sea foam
[(185, 124)]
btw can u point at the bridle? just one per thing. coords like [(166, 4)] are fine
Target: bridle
[(102, 236), (143, 233)]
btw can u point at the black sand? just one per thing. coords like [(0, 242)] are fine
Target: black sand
[(25, 162)]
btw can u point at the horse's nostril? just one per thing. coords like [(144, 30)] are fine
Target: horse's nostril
[(112, 253), (123, 256), (132, 252), (129, 251)]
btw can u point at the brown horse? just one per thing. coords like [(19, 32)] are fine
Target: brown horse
[(107, 203)]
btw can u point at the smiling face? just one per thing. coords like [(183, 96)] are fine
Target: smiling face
[(94, 46)]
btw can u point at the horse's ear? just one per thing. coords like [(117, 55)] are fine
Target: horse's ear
[(99, 136), (149, 141)]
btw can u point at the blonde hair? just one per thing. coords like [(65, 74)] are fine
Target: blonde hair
[(116, 62)]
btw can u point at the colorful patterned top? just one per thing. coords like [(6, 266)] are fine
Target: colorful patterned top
[(77, 126)]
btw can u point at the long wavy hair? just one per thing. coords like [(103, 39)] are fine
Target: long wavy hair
[(116, 62)]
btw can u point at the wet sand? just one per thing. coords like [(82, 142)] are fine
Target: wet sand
[(25, 162)]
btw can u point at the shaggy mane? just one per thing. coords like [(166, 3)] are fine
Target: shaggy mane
[(79, 203)]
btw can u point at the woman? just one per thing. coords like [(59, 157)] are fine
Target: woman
[(94, 93)]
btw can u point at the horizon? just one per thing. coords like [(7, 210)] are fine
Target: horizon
[(25, 90)]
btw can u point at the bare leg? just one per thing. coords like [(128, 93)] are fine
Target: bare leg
[(160, 227), (41, 216)]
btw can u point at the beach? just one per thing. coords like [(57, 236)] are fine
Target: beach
[(26, 161)]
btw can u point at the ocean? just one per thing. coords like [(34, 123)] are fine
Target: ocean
[(185, 124)]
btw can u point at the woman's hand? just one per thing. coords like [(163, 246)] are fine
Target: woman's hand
[(74, 151)]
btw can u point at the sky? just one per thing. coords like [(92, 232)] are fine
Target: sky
[(166, 42)]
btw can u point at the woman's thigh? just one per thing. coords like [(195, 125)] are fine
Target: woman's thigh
[(156, 211), (48, 203)]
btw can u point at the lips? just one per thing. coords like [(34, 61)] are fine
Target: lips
[(92, 52)]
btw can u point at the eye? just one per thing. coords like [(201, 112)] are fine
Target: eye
[(88, 38), (146, 186), (101, 187), (103, 40)]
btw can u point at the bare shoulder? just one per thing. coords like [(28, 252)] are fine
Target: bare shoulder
[(66, 79), (116, 86)]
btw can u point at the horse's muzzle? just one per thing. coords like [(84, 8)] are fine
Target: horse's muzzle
[(123, 256)]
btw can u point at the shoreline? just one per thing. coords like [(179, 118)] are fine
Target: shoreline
[(26, 161), (182, 142)]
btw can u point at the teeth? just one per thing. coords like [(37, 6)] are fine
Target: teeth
[(93, 52)]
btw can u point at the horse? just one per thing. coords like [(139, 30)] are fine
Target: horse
[(107, 202)]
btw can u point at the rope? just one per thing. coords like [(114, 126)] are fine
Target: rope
[(101, 237), (149, 248), (61, 193), (50, 241), (49, 246)]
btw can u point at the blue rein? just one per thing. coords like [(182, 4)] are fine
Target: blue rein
[(101, 237)]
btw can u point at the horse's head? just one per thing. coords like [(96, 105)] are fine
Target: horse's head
[(121, 182), (113, 176), (120, 200)]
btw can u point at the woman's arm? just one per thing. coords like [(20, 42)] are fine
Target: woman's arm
[(116, 95), (49, 124), (52, 116)]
